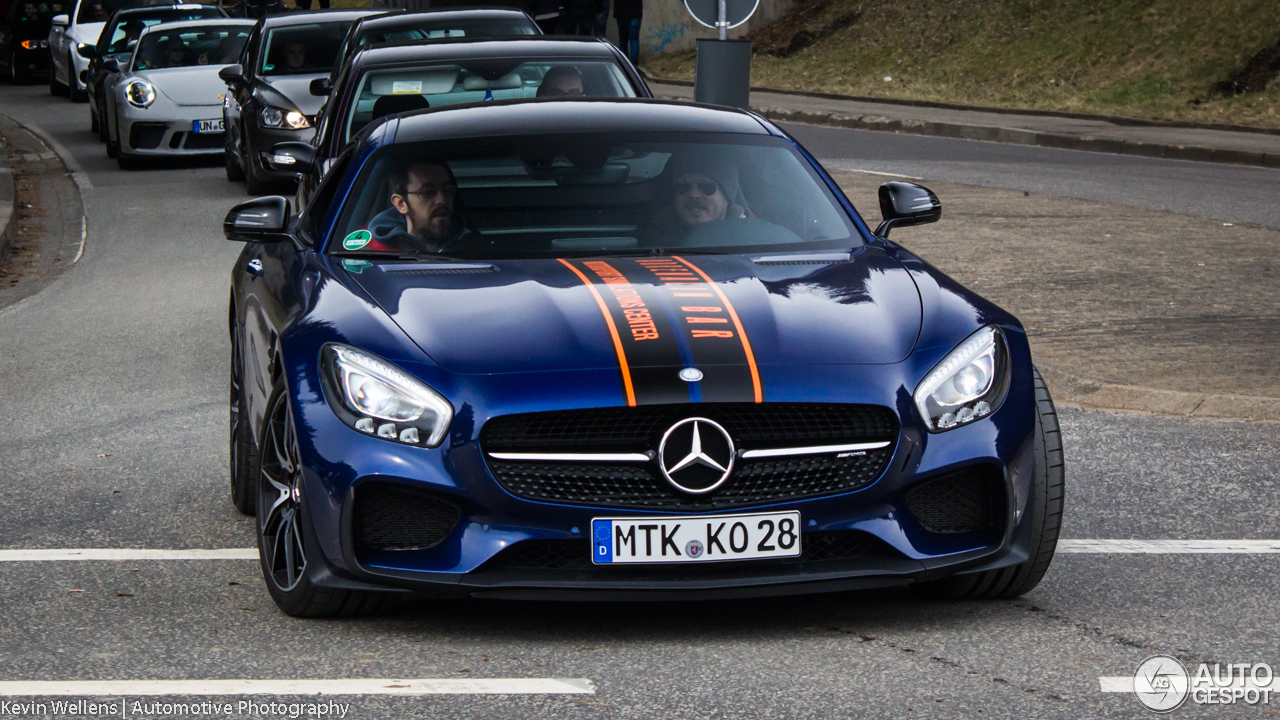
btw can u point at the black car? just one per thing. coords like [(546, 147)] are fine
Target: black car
[(24, 37), (382, 80), (432, 25), (269, 98), (117, 41)]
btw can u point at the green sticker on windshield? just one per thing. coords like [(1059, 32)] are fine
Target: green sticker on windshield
[(357, 240), (356, 266), (268, 68)]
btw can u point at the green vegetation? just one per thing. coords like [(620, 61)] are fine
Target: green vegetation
[(1140, 58)]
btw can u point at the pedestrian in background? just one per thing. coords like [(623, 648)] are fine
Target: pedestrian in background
[(546, 13), (254, 9), (306, 4), (602, 19), (628, 14), (579, 17)]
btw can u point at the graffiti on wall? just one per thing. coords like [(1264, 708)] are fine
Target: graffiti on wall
[(660, 36)]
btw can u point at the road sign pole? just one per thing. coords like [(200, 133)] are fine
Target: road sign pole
[(722, 19)]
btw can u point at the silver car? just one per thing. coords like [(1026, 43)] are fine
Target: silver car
[(168, 100)]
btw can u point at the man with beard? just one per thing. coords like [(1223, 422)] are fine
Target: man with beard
[(422, 217), (705, 186)]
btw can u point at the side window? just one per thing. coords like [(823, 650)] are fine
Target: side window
[(313, 217), (250, 50)]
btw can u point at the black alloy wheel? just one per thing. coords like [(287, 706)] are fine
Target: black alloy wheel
[(253, 185), (73, 87), (1044, 508), (283, 547), (243, 453)]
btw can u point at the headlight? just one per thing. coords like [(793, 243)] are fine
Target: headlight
[(34, 44), (969, 383), (292, 119), (140, 93), (377, 398)]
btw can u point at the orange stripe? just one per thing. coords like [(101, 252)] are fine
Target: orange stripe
[(613, 331), (746, 345)]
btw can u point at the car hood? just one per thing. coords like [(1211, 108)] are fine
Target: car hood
[(291, 91), (704, 311), (198, 85)]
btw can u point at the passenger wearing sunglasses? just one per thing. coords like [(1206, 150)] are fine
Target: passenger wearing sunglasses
[(705, 186)]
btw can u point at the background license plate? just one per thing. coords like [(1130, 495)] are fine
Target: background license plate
[(695, 538), (207, 126)]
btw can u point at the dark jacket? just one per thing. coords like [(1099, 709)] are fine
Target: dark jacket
[(390, 234), (255, 9), (628, 9)]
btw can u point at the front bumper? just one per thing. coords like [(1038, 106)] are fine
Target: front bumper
[(261, 140), (168, 131), (339, 461), (30, 63)]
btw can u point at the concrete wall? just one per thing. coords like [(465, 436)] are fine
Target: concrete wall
[(668, 27)]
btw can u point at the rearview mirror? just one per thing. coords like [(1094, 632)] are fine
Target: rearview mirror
[(292, 156), (231, 74), (903, 204), (111, 65), (320, 87), (59, 20), (264, 219), (88, 52)]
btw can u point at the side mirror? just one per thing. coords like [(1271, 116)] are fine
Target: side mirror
[(61, 20), (231, 74), (292, 156), (111, 65), (88, 52), (321, 87), (264, 219), (903, 204)]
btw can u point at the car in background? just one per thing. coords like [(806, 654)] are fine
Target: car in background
[(268, 98), (433, 25), (24, 38), (70, 32), (116, 42), (620, 349), (379, 80), (168, 101)]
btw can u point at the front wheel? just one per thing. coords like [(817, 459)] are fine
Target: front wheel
[(243, 454), (283, 549), (1045, 508), (55, 87), (235, 173), (73, 84)]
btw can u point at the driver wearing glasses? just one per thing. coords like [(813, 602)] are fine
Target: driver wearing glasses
[(423, 215)]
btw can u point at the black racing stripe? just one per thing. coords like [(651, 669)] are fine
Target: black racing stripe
[(647, 337)]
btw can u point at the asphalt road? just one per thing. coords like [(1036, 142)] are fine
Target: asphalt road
[(113, 394)]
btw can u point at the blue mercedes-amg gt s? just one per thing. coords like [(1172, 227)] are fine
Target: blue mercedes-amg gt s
[(620, 349)]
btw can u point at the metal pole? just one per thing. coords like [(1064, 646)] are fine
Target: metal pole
[(722, 20)]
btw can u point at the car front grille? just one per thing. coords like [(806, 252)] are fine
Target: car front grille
[(146, 136), (640, 429), (390, 517), (203, 141), (971, 500), (576, 554)]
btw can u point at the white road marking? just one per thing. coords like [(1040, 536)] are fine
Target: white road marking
[(84, 233), (1169, 547), (1066, 547), (127, 554), (329, 686), (841, 165)]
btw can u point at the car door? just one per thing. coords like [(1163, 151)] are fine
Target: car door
[(278, 280)]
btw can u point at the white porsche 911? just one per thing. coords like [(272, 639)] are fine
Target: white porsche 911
[(168, 101)]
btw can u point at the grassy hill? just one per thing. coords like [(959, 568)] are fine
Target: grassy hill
[(1201, 60)]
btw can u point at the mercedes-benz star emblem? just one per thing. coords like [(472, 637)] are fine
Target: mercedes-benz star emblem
[(696, 455)]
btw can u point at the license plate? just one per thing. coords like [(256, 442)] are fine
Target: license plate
[(207, 126), (695, 538)]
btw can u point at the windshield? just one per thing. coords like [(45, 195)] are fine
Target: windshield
[(190, 46), (385, 92), (131, 28), (594, 194), (427, 29), (100, 11), (302, 49)]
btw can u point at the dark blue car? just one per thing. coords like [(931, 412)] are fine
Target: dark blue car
[(620, 349)]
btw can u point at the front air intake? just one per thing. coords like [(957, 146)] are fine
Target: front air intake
[(391, 517), (970, 500)]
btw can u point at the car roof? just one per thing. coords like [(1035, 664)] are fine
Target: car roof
[(216, 22), (307, 17), (537, 117), (412, 19), (162, 9), (516, 46)]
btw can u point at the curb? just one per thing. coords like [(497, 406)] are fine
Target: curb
[(8, 204), (1066, 387), (1016, 136)]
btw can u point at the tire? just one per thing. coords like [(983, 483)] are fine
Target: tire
[(55, 87), (283, 528), (242, 451), (252, 184), (102, 121), (127, 161), (113, 145), (73, 84), (1045, 506), (235, 173), (93, 122)]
